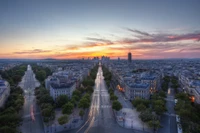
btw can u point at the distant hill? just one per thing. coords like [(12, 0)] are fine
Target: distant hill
[(49, 59)]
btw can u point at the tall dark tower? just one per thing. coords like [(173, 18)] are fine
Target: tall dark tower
[(129, 57)]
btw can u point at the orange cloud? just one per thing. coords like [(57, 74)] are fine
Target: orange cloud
[(146, 45)]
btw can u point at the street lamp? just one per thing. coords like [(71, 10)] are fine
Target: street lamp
[(132, 124), (124, 113), (55, 127), (154, 129)]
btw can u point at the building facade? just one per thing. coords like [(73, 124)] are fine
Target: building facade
[(64, 89), (129, 57), (137, 90), (4, 92)]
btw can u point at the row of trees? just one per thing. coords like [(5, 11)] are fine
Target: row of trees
[(14, 75), (175, 84), (107, 75), (41, 73), (173, 80), (44, 100), (150, 111), (46, 103), (10, 118), (116, 105), (165, 83), (188, 112)]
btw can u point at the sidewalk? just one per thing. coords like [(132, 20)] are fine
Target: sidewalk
[(75, 121), (128, 117)]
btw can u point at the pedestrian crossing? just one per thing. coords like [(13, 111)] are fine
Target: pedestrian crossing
[(169, 114), (171, 100), (102, 106), (27, 116), (100, 94), (100, 91)]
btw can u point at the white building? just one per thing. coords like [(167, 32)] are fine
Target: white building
[(63, 89), (137, 90), (4, 92)]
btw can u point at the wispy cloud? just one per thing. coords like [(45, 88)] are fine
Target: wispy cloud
[(34, 51), (138, 32), (148, 37), (99, 40), (145, 45)]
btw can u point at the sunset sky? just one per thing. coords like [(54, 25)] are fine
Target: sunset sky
[(69, 29)]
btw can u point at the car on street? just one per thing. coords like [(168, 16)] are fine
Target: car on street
[(177, 119), (175, 101)]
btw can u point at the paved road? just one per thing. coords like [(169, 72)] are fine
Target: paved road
[(101, 118), (29, 125), (168, 120)]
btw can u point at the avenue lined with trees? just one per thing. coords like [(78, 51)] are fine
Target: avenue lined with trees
[(151, 110), (107, 76), (188, 112), (46, 103), (10, 118), (81, 98), (116, 105)]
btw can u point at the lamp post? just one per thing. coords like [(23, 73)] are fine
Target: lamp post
[(131, 124), (143, 126), (124, 113), (55, 127), (154, 129)]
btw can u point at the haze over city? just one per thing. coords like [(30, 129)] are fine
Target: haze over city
[(65, 29)]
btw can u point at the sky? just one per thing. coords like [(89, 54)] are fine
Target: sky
[(71, 29)]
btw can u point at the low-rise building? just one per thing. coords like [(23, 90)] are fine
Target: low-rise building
[(152, 81), (137, 90), (62, 89)]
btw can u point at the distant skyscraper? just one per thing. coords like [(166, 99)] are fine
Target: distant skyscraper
[(118, 59), (129, 57)]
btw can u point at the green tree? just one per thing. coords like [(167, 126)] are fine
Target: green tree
[(46, 99), (155, 124), (63, 119), (113, 97), (182, 96), (67, 108), (74, 100), (76, 93), (146, 115), (110, 91), (46, 105), (162, 94), (89, 89), (41, 75), (47, 112), (84, 103), (87, 96), (7, 129), (81, 113), (159, 106), (141, 107), (138, 101), (116, 105), (61, 100)]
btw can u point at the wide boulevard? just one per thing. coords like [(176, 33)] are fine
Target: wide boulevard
[(32, 120), (101, 117)]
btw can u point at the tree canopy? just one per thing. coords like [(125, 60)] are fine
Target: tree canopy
[(67, 108), (61, 100), (116, 105), (63, 119)]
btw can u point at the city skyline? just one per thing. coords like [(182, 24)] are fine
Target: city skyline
[(82, 29)]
